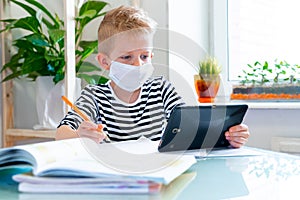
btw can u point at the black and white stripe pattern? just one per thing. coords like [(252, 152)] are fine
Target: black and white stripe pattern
[(122, 121)]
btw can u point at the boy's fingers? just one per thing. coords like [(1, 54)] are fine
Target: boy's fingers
[(237, 134), (99, 127), (95, 131), (240, 127), (89, 125)]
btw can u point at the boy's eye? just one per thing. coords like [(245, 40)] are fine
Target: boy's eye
[(144, 57), (125, 57)]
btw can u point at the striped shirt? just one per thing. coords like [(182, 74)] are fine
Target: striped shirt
[(147, 116)]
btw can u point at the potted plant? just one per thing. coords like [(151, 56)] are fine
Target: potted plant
[(267, 81), (40, 54), (207, 81)]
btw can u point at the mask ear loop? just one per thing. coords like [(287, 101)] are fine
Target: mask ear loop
[(111, 60)]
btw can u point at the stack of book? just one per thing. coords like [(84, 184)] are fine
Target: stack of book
[(82, 166)]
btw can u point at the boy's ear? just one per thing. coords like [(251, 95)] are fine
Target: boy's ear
[(103, 61)]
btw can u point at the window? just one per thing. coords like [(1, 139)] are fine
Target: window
[(262, 30)]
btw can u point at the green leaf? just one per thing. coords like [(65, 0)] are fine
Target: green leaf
[(88, 67), (24, 44), (86, 53), (8, 20), (37, 40), (87, 9), (45, 10), (58, 77), (92, 5), (28, 23), (277, 66), (257, 63), (89, 14), (12, 76), (88, 44), (9, 24), (50, 57), (33, 63), (93, 79), (13, 64), (266, 65), (31, 11), (56, 35), (88, 78)]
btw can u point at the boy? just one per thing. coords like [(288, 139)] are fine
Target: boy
[(131, 104)]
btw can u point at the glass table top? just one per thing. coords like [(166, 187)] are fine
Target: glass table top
[(268, 176)]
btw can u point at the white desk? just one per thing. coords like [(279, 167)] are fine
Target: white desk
[(271, 176)]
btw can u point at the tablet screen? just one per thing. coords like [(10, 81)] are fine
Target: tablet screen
[(200, 127)]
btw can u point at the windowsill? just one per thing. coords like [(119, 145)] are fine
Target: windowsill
[(287, 105), (270, 105)]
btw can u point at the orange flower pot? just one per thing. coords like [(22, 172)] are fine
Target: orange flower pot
[(207, 87)]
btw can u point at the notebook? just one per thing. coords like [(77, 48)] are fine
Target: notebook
[(200, 127)]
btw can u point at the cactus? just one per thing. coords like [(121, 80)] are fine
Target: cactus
[(209, 66)]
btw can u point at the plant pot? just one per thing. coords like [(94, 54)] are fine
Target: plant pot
[(49, 105), (207, 87), (24, 105)]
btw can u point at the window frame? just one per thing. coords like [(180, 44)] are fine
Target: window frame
[(219, 48)]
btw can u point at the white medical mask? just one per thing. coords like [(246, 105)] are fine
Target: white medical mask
[(130, 77)]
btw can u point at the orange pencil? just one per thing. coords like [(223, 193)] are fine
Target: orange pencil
[(86, 118)]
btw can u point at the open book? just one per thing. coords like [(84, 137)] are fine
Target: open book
[(133, 162), (120, 185)]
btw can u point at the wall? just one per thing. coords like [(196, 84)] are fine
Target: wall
[(267, 123), (157, 10), (189, 42)]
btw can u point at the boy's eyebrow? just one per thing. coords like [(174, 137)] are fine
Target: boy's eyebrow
[(128, 52), (143, 49)]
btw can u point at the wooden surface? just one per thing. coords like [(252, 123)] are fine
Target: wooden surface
[(11, 136)]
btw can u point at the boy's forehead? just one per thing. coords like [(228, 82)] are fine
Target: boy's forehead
[(131, 43)]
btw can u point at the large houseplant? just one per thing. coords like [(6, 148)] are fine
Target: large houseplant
[(40, 54), (41, 51), (207, 81)]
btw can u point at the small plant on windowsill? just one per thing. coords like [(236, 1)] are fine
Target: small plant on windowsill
[(41, 50), (207, 81), (268, 82)]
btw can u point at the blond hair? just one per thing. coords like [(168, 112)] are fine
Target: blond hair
[(123, 19)]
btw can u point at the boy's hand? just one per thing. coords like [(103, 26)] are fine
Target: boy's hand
[(91, 130), (237, 135)]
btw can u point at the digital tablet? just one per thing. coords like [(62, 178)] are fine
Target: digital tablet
[(200, 127)]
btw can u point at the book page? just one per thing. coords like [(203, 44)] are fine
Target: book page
[(46, 153), (29, 183), (84, 157)]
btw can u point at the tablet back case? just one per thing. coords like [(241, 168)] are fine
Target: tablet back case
[(200, 127)]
